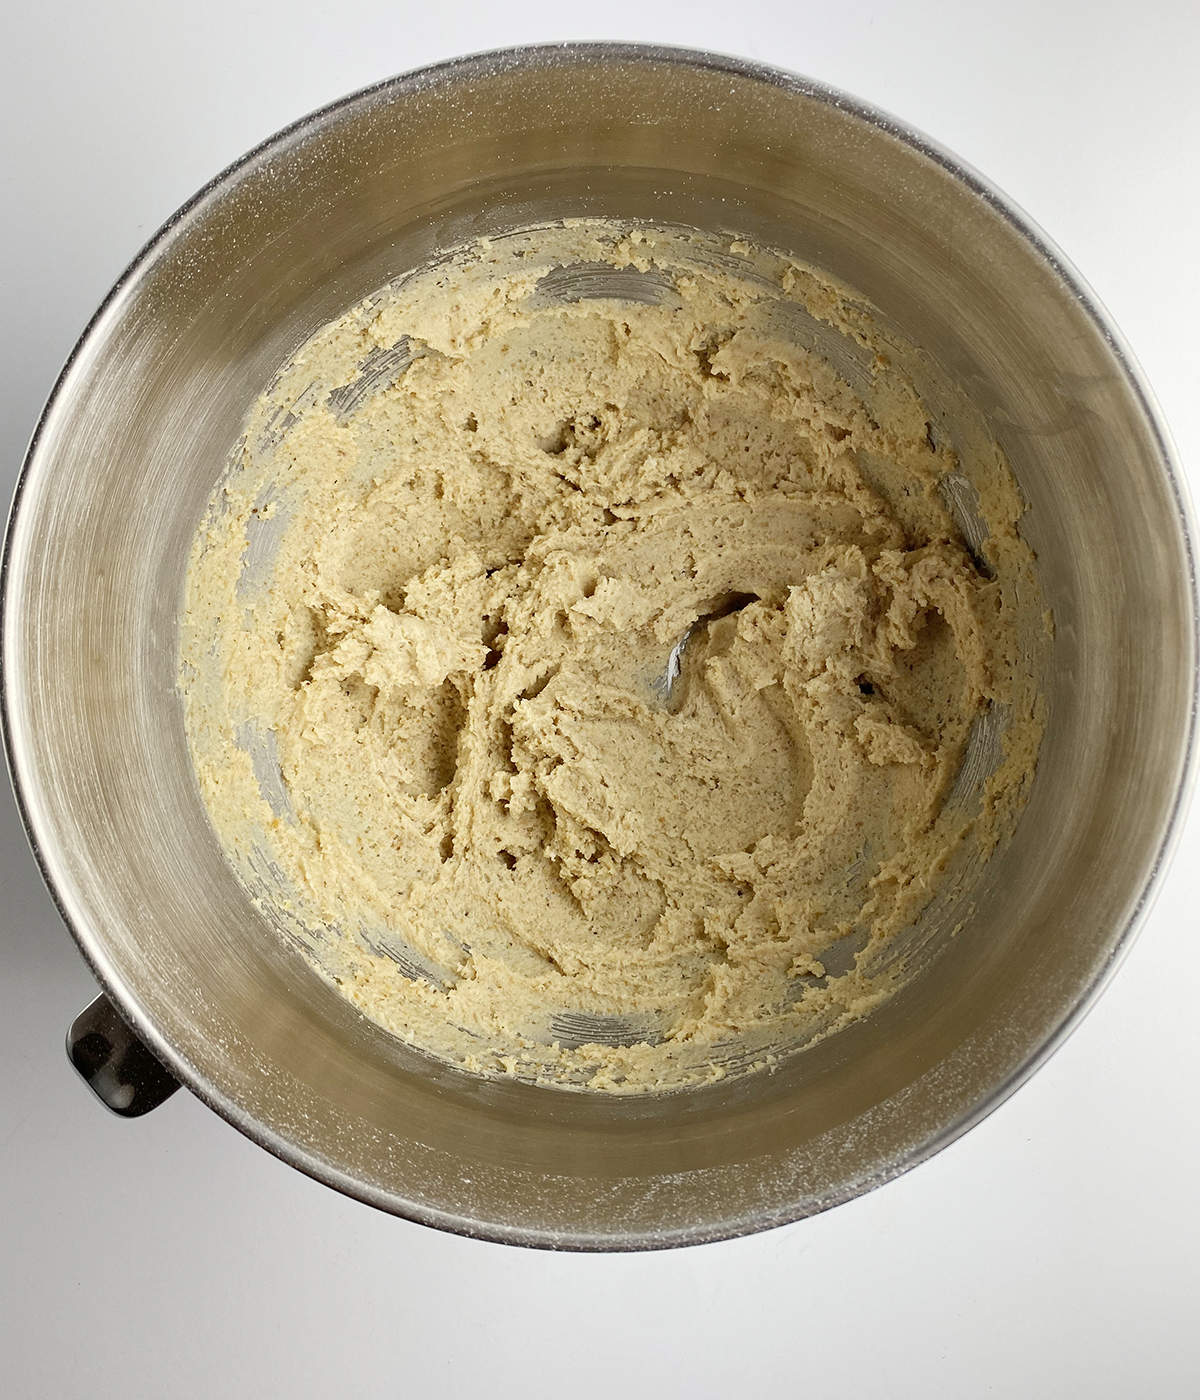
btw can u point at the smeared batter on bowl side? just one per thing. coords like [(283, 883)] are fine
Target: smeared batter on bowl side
[(581, 654)]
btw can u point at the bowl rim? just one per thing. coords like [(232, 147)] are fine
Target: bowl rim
[(561, 55)]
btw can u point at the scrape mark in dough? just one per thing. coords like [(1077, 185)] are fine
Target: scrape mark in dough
[(380, 370), (600, 281)]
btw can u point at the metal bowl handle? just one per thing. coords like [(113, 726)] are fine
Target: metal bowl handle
[(125, 1076)]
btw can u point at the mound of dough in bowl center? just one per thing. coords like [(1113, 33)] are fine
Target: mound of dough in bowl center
[(601, 660)]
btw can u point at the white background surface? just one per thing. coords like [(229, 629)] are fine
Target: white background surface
[(1050, 1253)]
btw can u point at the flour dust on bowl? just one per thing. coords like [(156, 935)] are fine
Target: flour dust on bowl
[(937, 325)]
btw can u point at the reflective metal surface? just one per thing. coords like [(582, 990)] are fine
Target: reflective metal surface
[(114, 1063), (140, 427)]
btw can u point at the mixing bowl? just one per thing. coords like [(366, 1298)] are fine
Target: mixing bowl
[(141, 424)]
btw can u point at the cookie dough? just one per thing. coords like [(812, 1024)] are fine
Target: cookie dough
[(581, 653)]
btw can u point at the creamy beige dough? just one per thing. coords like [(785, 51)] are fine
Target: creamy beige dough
[(581, 653)]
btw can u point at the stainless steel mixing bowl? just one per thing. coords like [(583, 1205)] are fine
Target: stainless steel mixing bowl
[(141, 424)]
